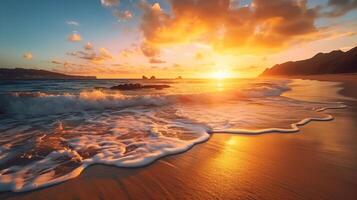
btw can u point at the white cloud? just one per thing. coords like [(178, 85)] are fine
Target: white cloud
[(72, 23), (109, 3), (156, 7), (123, 15)]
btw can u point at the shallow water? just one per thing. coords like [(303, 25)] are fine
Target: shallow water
[(51, 130)]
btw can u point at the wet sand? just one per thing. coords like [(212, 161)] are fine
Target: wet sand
[(349, 81), (319, 162)]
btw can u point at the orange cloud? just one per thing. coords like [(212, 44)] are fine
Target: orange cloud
[(104, 53), (261, 26), (28, 56), (156, 61), (56, 62), (128, 52), (74, 37), (199, 56), (88, 46), (92, 56), (149, 49)]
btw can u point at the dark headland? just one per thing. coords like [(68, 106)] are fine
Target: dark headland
[(34, 74), (335, 62), (137, 86)]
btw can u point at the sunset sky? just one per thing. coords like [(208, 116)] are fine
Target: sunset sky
[(168, 38)]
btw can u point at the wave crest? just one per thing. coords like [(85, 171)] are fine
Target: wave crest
[(46, 104), (39, 103)]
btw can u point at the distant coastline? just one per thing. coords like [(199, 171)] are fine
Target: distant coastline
[(335, 62), (34, 74)]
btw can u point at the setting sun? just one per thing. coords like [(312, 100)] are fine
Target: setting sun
[(220, 75)]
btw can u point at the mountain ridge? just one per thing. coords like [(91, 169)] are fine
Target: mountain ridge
[(34, 74), (335, 62)]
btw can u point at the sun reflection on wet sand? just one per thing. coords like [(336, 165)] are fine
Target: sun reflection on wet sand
[(220, 86)]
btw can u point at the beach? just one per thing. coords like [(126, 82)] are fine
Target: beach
[(318, 162), (178, 99)]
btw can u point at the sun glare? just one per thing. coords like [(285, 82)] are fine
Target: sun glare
[(220, 75)]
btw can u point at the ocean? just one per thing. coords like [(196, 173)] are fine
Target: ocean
[(51, 130)]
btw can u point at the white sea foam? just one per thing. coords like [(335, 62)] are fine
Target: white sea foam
[(128, 141), (293, 127)]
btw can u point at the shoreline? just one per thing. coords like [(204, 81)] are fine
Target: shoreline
[(300, 166), (348, 81)]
